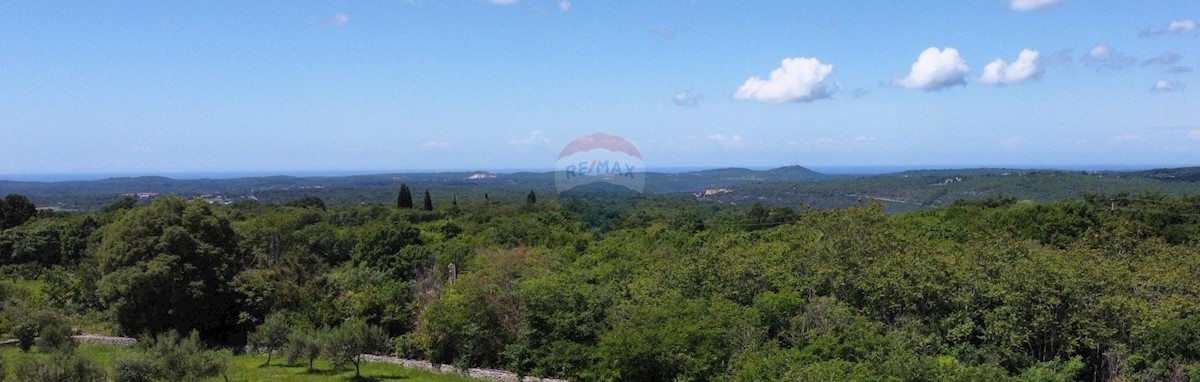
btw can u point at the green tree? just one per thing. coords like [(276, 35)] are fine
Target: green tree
[(15, 210), (530, 199), (314, 202), (348, 342), (270, 336), (59, 287), (404, 199), (305, 343), (428, 203), (124, 203), (169, 266)]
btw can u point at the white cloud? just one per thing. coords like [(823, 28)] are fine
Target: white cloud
[(437, 145), (535, 138), (936, 70), (1032, 5), (796, 80), (687, 98), (1181, 25), (1166, 86), (1194, 135), (864, 138), (1105, 56), (1026, 67), (735, 141), (1165, 59), (339, 19), (1175, 26), (564, 5)]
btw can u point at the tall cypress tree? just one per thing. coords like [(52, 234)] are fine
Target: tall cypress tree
[(428, 205), (404, 200), (530, 199)]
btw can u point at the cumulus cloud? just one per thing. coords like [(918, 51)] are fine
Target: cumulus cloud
[(1167, 86), (936, 70), (1032, 5), (564, 5), (735, 141), (1104, 56), (796, 80), (1025, 68), (687, 98), (1175, 26), (1164, 59), (339, 19), (865, 138), (1181, 25), (437, 145)]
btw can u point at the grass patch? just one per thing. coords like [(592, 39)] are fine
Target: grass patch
[(33, 288), (250, 368)]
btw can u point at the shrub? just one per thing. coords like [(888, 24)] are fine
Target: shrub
[(61, 368), (55, 335), (138, 369)]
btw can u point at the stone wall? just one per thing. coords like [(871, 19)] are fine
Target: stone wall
[(491, 374), (105, 340)]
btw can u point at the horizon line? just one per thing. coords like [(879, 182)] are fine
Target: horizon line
[(825, 169)]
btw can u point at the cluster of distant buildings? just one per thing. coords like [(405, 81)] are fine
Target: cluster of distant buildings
[(209, 198), (711, 192)]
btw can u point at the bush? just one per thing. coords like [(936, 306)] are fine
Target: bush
[(61, 368), (137, 369), (184, 358), (412, 346), (55, 335)]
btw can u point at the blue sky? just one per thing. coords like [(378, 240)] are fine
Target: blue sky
[(144, 87)]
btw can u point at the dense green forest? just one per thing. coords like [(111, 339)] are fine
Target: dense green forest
[(785, 186), (638, 288)]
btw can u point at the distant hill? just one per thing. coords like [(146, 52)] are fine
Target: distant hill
[(790, 185), (1182, 174)]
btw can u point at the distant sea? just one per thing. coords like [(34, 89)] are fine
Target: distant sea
[(852, 170)]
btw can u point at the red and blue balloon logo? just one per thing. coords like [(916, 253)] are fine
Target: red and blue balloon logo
[(599, 158)]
